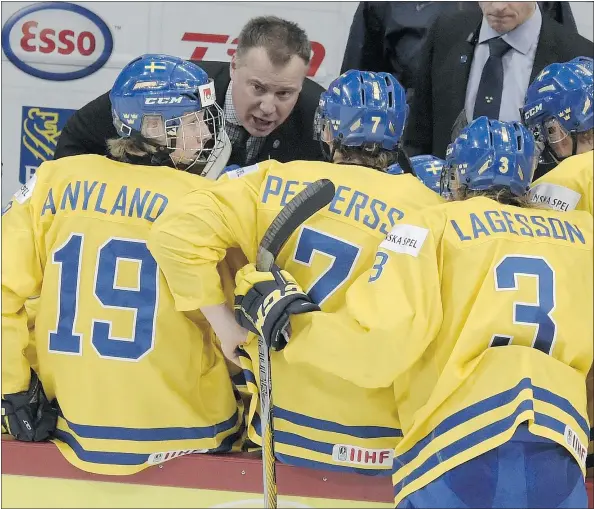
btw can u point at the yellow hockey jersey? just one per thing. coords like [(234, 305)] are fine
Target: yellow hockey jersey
[(137, 381), (568, 186), (319, 419), (480, 316)]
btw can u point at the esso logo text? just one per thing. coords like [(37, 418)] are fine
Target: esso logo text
[(47, 40), (50, 39)]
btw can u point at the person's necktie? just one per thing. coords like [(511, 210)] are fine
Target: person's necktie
[(239, 148), (488, 97)]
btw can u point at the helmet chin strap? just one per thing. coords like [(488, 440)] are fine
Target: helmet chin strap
[(327, 153), (218, 158), (574, 141), (574, 147)]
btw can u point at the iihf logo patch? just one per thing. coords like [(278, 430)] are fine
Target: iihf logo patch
[(378, 458)]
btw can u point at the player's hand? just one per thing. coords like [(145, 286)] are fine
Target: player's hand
[(230, 340), (264, 301), (28, 415)]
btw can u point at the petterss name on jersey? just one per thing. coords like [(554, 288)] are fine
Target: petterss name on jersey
[(348, 202)]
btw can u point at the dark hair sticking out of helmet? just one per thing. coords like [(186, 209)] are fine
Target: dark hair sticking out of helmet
[(361, 119), (558, 109), (493, 159), (165, 113)]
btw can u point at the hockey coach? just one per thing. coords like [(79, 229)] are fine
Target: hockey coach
[(268, 102)]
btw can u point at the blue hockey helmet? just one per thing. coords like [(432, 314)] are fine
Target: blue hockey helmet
[(170, 103), (489, 154), (427, 168), (558, 103), (362, 109), (586, 62)]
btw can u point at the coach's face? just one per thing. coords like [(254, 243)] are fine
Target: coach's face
[(264, 94), (505, 16)]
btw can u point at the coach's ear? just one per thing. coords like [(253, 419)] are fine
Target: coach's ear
[(233, 65)]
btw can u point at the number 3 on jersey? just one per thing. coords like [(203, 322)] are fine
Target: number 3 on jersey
[(537, 314), (143, 299)]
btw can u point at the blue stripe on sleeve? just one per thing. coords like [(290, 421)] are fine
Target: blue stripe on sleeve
[(487, 432), (325, 448), (563, 404), (488, 404), (334, 427), (249, 376), (152, 434), (125, 458), (463, 444)]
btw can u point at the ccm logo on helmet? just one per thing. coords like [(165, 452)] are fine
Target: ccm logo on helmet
[(59, 33), (163, 100), (533, 111)]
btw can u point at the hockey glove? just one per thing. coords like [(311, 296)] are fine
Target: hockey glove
[(265, 300), (28, 416)]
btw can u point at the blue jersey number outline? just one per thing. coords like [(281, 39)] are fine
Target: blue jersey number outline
[(344, 257), (143, 299), (537, 314)]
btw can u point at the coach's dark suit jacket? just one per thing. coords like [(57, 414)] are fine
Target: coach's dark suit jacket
[(444, 68), (88, 129)]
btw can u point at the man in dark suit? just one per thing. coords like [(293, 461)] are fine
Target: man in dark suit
[(388, 36), (451, 85), (268, 102)]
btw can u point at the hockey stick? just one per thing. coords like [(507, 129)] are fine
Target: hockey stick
[(305, 204)]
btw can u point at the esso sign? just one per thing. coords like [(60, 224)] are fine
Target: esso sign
[(42, 38), (46, 40)]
